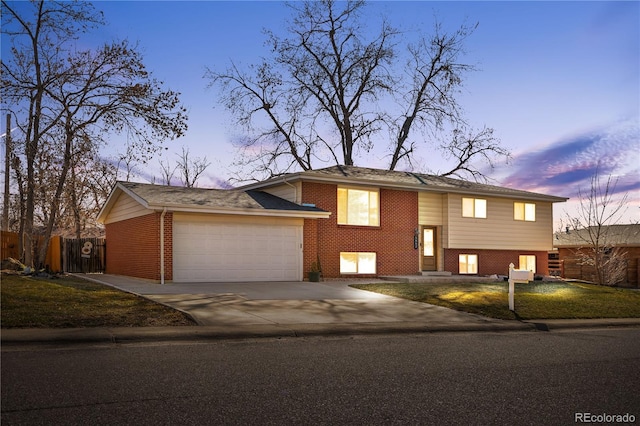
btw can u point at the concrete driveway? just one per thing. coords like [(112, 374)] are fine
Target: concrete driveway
[(287, 303)]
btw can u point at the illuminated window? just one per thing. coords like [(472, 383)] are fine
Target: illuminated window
[(358, 207), (527, 263), (524, 211), (474, 207), (357, 263), (468, 263)]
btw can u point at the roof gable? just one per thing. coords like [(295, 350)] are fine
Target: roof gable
[(175, 198)]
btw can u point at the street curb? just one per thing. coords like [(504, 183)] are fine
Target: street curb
[(115, 335), (206, 333), (568, 324)]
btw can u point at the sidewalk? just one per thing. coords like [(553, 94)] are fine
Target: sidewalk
[(276, 310)]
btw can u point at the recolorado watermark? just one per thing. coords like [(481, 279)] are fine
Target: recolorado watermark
[(604, 418)]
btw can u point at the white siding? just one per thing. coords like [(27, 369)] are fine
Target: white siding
[(499, 231), (289, 192), (125, 208), (430, 208)]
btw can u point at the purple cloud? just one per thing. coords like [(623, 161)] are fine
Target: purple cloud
[(566, 167)]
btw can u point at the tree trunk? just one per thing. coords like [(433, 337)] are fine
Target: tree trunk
[(55, 202)]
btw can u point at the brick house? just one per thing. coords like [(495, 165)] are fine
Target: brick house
[(356, 221)]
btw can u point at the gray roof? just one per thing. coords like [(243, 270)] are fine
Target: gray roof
[(220, 198), (404, 180), (176, 198), (610, 235)]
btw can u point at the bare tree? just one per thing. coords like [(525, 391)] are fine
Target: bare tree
[(28, 78), (465, 146), (167, 172), (70, 100), (320, 94), (597, 234), (191, 169)]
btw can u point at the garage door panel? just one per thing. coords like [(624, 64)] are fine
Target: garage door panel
[(206, 249)]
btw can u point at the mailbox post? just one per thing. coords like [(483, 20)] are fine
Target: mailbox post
[(517, 276)]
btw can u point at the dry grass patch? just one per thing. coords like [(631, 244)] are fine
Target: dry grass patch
[(68, 301), (536, 300)]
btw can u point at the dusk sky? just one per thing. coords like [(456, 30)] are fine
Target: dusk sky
[(558, 81)]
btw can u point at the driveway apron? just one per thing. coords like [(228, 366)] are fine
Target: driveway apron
[(282, 303)]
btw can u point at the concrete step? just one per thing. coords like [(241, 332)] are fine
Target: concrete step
[(437, 279), (436, 274)]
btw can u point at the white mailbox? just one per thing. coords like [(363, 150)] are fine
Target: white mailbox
[(521, 275), (517, 276)]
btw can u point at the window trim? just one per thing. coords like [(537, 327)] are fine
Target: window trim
[(528, 258), (467, 255), (474, 214), (358, 253), (524, 217), (342, 214)]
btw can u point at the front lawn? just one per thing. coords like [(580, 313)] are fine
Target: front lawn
[(536, 300), (73, 302)]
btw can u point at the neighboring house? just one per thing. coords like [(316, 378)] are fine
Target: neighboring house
[(625, 238), (355, 221)]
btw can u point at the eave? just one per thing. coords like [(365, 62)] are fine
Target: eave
[(302, 177)]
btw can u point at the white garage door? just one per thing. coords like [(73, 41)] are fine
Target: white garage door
[(232, 249)]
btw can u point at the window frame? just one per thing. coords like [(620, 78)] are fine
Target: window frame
[(467, 256), (528, 258), (342, 216), (522, 214), (475, 204), (358, 264)]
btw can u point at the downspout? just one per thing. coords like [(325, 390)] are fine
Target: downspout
[(164, 212), (295, 200)]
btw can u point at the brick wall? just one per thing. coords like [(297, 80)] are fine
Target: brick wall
[(495, 261), (133, 247), (392, 241), (310, 241), (168, 247)]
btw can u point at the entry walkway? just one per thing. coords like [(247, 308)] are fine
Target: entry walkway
[(287, 303)]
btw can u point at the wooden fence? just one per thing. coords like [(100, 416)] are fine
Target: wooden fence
[(555, 265), (10, 247), (86, 255), (64, 254)]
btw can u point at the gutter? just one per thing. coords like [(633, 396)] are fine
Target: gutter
[(502, 192), (305, 214), (164, 212)]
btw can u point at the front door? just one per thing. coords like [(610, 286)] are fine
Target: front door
[(429, 249)]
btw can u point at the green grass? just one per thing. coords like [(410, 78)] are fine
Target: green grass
[(67, 301), (536, 300)]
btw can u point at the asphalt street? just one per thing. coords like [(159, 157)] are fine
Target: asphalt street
[(524, 378)]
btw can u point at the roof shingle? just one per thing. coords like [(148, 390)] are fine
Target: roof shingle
[(407, 180)]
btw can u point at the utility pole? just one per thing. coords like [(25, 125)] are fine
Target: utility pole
[(7, 170)]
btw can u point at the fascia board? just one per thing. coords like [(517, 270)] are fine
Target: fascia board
[(243, 212), (290, 178), (417, 187)]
